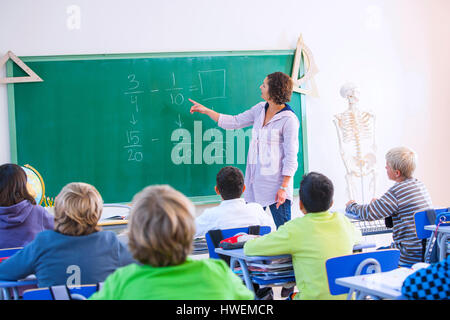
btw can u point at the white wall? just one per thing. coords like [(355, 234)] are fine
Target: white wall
[(396, 50)]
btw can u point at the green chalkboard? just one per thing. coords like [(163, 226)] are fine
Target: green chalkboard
[(122, 122)]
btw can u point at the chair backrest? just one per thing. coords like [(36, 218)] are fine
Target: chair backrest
[(8, 252), (62, 292), (421, 220), (364, 263), (230, 233)]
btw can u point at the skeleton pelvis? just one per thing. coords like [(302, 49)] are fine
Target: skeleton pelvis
[(362, 165)]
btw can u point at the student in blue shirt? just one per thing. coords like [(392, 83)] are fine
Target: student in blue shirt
[(76, 252)]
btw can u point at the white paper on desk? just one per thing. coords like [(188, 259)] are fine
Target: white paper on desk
[(114, 213), (391, 279)]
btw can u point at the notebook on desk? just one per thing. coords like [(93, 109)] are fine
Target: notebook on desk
[(392, 279), (115, 218)]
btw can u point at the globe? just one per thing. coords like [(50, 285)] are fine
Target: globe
[(35, 184)]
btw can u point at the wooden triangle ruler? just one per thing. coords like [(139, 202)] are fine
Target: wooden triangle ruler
[(32, 76), (310, 70)]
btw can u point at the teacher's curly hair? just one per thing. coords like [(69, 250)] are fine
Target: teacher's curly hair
[(280, 87)]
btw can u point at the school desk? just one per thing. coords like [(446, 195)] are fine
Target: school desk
[(367, 228), (13, 286), (238, 256), (114, 225), (381, 285), (443, 235)]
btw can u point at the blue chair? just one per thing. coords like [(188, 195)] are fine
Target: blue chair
[(358, 264), (62, 292), (227, 233), (420, 221), (10, 289), (8, 252)]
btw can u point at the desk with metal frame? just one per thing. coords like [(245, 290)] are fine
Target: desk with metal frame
[(367, 228), (238, 256), (443, 235), (369, 284), (116, 226)]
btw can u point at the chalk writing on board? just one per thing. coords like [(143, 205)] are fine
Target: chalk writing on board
[(133, 121), (208, 84), (179, 123), (218, 77), (211, 85), (134, 83), (134, 92), (134, 145), (177, 99)]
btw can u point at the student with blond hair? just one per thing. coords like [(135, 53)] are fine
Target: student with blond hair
[(161, 232), (76, 252), (406, 197)]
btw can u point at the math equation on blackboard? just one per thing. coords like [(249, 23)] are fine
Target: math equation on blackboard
[(174, 94)]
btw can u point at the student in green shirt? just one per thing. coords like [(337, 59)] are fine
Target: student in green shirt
[(311, 239), (161, 232)]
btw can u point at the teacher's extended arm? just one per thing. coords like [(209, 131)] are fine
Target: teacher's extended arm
[(226, 121), (197, 107)]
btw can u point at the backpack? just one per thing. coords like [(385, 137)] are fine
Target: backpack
[(217, 238)]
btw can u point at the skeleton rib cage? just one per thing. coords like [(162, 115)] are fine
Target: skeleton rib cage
[(356, 127)]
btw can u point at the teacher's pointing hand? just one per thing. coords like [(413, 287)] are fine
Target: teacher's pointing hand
[(197, 107)]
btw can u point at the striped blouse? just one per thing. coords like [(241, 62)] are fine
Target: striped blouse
[(400, 202)]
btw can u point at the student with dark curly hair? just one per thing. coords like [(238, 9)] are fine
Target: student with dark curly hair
[(272, 154)]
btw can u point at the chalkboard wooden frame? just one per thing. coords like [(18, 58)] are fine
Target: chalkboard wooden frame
[(196, 199)]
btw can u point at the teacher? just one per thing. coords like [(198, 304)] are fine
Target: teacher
[(272, 154)]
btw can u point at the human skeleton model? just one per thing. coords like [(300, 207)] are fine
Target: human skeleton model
[(355, 129)]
